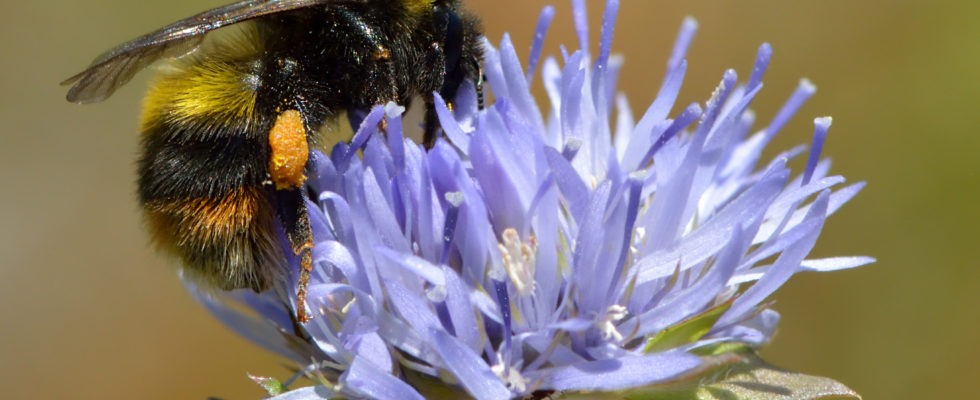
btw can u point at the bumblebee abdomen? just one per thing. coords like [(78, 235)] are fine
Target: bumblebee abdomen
[(205, 202), (228, 241), (203, 168)]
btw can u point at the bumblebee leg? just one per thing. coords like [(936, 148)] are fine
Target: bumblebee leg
[(480, 78), (287, 163), (431, 124), (296, 221)]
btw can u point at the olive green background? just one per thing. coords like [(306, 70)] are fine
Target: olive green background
[(88, 311)]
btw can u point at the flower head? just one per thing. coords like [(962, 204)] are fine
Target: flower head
[(549, 252)]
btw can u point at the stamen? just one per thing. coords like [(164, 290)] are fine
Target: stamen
[(511, 376), (607, 324), (519, 259)]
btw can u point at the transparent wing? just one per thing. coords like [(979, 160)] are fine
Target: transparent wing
[(117, 66)]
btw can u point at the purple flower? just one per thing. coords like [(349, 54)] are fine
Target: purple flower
[(560, 250)]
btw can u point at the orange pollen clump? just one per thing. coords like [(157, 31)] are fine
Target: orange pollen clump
[(289, 150)]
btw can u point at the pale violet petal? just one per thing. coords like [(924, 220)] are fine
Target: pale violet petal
[(461, 310), (784, 267), (449, 125), (365, 379), (835, 263), (761, 63), (695, 298), (412, 308), (616, 374), (544, 20), (470, 370), (418, 266), (710, 237)]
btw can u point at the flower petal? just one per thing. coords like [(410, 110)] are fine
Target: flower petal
[(365, 379), (470, 370), (616, 374)]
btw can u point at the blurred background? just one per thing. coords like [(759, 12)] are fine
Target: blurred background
[(88, 311)]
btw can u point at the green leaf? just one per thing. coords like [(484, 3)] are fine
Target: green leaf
[(687, 331), (271, 385), (734, 376), (715, 349)]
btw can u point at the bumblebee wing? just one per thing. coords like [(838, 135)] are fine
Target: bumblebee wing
[(117, 66)]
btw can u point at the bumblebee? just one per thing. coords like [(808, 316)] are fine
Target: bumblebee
[(228, 124)]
